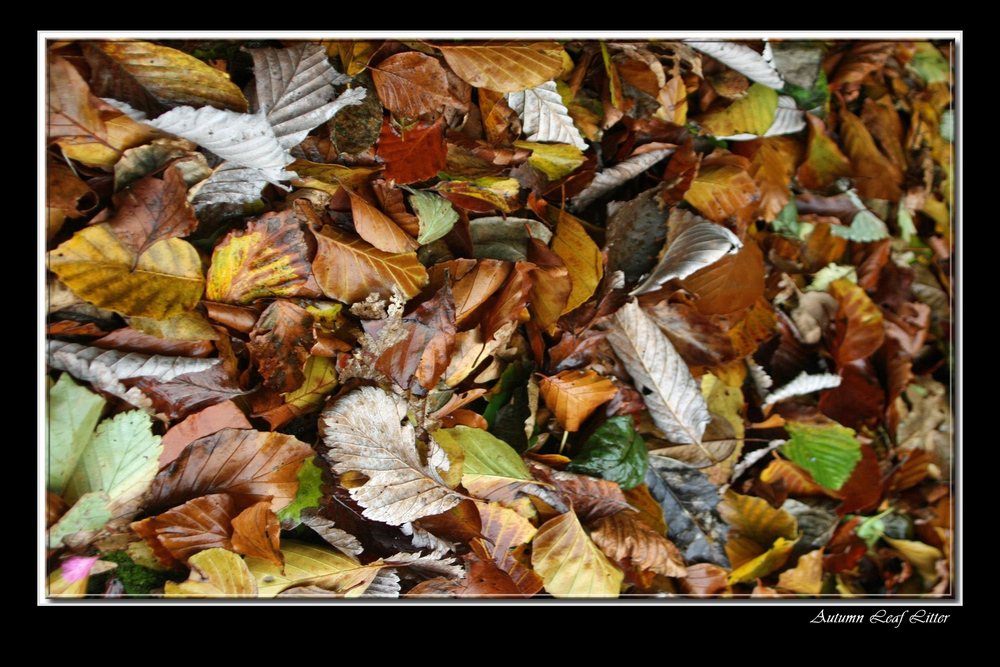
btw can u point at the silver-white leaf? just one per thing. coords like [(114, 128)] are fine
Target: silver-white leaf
[(741, 58), (699, 244), (384, 585), (424, 539), (434, 563), (367, 431), (621, 173), (748, 461), (126, 365), (762, 382), (669, 391), (229, 184), (335, 537), (803, 384), (543, 116)]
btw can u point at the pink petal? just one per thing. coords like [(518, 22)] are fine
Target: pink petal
[(78, 567)]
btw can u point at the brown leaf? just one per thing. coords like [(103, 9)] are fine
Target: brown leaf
[(416, 155), (501, 123), (863, 58), (624, 535), (426, 351), (190, 392), (279, 345), (151, 210), (771, 167), (472, 289), (863, 489), (824, 162), (248, 465), (505, 68), (66, 192), (128, 339), (378, 229), (109, 79), (704, 579), (807, 575), (199, 524), (698, 339), (256, 532), (882, 120), (267, 259), (210, 420), (551, 285), (730, 284), (71, 112), (394, 206), (860, 324), (875, 176), (858, 401), (483, 579), (237, 318), (349, 269), (412, 85), (510, 301), (574, 395), (592, 498)]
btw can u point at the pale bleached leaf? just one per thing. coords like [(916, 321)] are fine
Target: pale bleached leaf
[(229, 184), (434, 563), (761, 380), (803, 384), (335, 537), (506, 238), (698, 244), (424, 539), (669, 391), (367, 431), (865, 226), (619, 174), (741, 58), (543, 116), (384, 585), (127, 365), (97, 373), (245, 139)]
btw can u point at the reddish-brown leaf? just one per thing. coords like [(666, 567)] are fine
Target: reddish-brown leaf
[(863, 489), (845, 548), (416, 155), (412, 85), (425, 353), (510, 301), (128, 339), (734, 282), (248, 465), (698, 339), (472, 289), (864, 58), (151, 210), (237, 318), (875, 176), (822, 247), (279, 345), (858, 401), (860, 325), (189, 393), (256, 532), (199, 524), (882, 120), (66, 192), (591, 498), (378, 229), (210, 420), (394, 206), (704, 579), (483, 579), (459, 524), (624, 535)]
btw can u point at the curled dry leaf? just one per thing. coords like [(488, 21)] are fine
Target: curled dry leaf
[(256, 532), (126, 365), (199, 524), (619, 174), (366, 431), (624, 535)]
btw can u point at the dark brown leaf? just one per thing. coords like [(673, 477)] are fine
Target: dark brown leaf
[(280, 344)]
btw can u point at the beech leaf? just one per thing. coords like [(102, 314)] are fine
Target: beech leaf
[(830, 453), (505, 68), (73, 414), (435, 214), (215, 573), (364, 433), (669, 391), (803, 384), (570, 564), (131, 364), (624, 535), (574, 395), (619, 174), (741, 58), (412, 85), (615, 452)]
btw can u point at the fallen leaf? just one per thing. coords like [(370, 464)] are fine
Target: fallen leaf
[(554, 160), (163, 281), (279, 345), (74, 413), (248, 465), (506, 238), (415, 155), (623, 535), (807, 575), (71, 111), (617, 175), (215, 573), (615, 452), (306, 565), (574, 395), (503, 67), (543, 116), (824, 162), (320, 379), (483, 194), (81, 522), (362, 431), (412, 85), (426, 351), (733, 282), (721, 190), (256, 532), (570, 564), (741, 58), (752, 113), (435, 216), (581, 256), (875, 176), (765, 564), (199, 524), (378, 229), (590, 497), (828, 452)]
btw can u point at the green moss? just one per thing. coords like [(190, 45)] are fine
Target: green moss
[(137, 580)]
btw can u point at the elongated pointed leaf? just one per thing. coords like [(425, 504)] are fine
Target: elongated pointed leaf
[(543, 116), (215, 573), (70, 110), (570, 563), (363, 433), (505, 68), (700, 244), (741, 58), (669, 392), (803, 384), (73, 412), (131, 364), (377, 228), (574, 395), (619, 174), (582, 257)]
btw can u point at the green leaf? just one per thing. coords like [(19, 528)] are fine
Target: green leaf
[(310, 478), (947, 127), (787, 222), (809, 98), (73, 413), (871, 528), (830, 273), (615, 452), (929, 63), (864, 228), (121, 459), (828, 452), (89, 514), (907, 230), (554, 160), (485, 454), (435, 214)]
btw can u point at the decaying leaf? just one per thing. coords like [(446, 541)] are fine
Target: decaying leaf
[(623, 535), (364, 433)]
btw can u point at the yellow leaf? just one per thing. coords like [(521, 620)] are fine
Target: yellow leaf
[(500, 193), (725, 401), (763, 565), (321, 380), (719, 190), (824, 163), (754, 518), (752, 114), (175, 78), (919, 555), (505, 68), (306, 565), (215, 573), (570, 564), (349, 269), (582, 257), (163, 281), (123, 133), (190, 325), (807, 576), (554, 160), (329, 177)]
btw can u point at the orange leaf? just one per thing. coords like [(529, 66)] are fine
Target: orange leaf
[(416, 155), (624, 535), (798, 482), (505, 68), (475, 287), (256, 532), (824, 162), (511, 301), (378, 229), (860, 324), (551, 285), (807, 575), (875, 176), (412, 85), (199, 524), (720, 190), (574, 395), (771, 168), (864, 58), (704, 579), (730, 284), (349, 269), (206, 422)]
